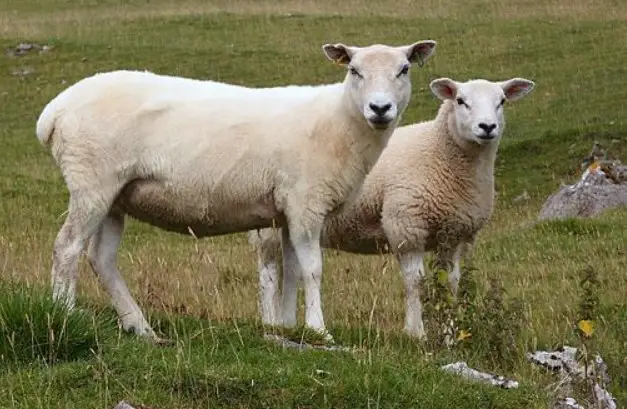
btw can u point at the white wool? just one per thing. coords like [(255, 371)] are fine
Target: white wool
[(432, 190), (208, 158)]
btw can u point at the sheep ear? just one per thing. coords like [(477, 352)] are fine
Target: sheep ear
[(420, 52), (444, 88), (517, 88), (338, 53)]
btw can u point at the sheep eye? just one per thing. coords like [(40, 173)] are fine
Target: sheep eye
[(354, 71), (502, 102), (461, 102), (403, 70)]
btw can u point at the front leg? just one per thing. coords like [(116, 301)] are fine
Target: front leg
[(412, 268), (306, 245)]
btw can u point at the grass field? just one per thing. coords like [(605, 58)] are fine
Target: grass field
[(203, 294)]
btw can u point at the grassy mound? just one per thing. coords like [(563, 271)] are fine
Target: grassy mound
[(34, 328)]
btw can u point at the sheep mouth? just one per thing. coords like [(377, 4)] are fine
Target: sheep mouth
[(380, 123), (486, 137)]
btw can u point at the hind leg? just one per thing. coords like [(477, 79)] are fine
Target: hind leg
[(102, 256), (267, 244), (449, 258), (83, 219), (291, 276)]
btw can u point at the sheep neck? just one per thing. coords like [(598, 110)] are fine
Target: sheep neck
[(476, 160), (343, 126)]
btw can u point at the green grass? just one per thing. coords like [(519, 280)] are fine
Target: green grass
[(232, 366), (35, 329), (203, 294)]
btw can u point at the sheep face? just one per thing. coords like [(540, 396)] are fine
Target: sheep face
[(378, 82), (478, 105)]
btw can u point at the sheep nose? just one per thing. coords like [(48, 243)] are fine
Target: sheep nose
[(487, 128), (380, 109)]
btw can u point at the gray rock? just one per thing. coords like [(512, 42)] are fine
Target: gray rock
[(597, 191), (461, 368), (123, 405)]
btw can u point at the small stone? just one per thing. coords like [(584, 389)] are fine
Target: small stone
[(568, 403), (524, 196), (123, 405), (22, 71)]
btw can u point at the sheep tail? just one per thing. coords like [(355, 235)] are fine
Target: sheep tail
[(46, 122)]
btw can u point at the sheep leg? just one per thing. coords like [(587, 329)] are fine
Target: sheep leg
[(451, 260), (455, 272), (306, 244), (267, 266), (269, 293), (291, 275), (80, 223), (102, 256), (412, 268)]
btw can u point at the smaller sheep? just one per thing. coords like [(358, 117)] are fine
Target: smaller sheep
[(206, 159), (432, 190)]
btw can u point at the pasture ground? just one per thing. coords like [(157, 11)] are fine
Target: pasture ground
[(203, 294)]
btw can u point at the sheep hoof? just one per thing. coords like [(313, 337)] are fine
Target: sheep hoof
[(162, 342), (147, 334), (418, 334), (155, 339), (328, 338)]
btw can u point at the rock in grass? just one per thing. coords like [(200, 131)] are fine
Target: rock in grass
[(602, 186), (287, 343), (125, 405), (24, 48), (568, 403), (461, 368), (564, 360)]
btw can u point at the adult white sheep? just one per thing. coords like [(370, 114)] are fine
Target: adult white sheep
[(431, 190), (208, 158)]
